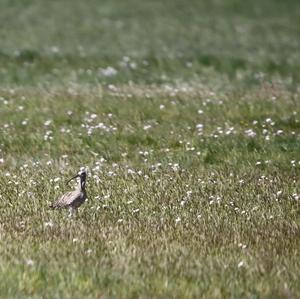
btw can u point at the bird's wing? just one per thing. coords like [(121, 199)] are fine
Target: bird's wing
[(66, 199)]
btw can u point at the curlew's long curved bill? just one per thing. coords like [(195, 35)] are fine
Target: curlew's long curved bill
[(76, 176)]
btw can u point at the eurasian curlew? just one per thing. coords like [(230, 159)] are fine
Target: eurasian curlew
[(74, 199)]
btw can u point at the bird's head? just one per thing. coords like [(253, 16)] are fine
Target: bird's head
[(81, 175)]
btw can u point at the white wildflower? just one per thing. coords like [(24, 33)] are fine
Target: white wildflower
[(29, 262), (241, 264), (47, 122), (48, 224), (147, 127), (177, 220), (109, 71)]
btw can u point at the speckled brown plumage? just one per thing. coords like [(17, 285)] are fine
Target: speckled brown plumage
[(74, 199)]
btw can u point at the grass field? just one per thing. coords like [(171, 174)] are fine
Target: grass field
[(186, 115)]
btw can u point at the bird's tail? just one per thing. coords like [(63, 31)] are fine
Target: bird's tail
[(52, 206)]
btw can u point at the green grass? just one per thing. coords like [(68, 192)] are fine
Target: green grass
[(191, 140)]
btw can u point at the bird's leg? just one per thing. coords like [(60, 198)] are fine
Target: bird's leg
[(71, 212)]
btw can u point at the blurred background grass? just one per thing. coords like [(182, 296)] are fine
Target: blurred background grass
[(46, 42)]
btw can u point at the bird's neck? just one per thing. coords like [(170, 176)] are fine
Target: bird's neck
[(82, 185)]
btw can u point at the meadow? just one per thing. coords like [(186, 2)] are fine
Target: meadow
[(186, 116)]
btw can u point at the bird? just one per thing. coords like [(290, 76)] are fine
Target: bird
[(74, 199)]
